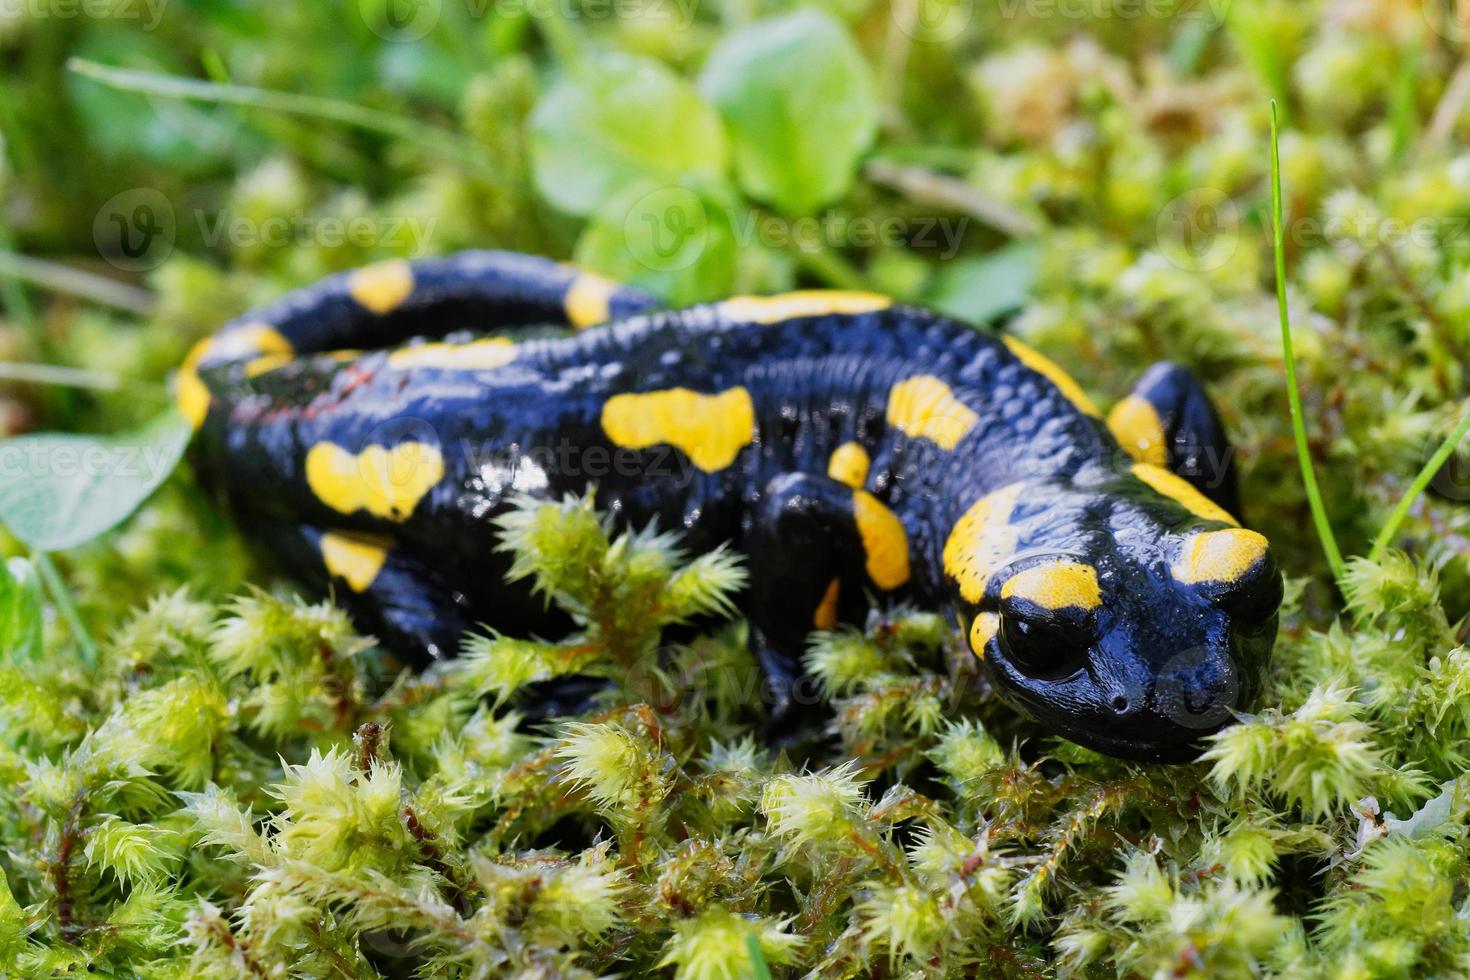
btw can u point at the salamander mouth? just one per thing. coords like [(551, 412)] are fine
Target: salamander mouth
[(1148, 736), (1185, 749)]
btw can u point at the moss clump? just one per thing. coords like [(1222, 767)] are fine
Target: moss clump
[(159, 826)]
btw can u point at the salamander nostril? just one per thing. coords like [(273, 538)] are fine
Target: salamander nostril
[(1120, 704)]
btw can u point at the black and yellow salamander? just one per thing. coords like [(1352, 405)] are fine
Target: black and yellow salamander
[(367, 431)]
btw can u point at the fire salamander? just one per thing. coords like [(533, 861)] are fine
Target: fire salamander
[(368, 430)]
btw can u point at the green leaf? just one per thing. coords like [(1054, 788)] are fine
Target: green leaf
[(20, 611), (670, 240), (616, 121), (59, 490), (980, 288), (801, 105)]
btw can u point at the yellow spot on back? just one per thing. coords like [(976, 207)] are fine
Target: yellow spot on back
[(355, 558), (1182, 492), (808, 302), (586, 301), (477, 355), (709, 429), (924, 407), (1219, 556), (849, 464), (1045, 366), (381, 287), (825, 616), (885, 542), (190, 392), (1056, 585), (982, 541), (982, 631), (386, 483), (1135, 423)]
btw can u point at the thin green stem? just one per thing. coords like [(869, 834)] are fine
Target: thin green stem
[(74, 282), (1293, 391), (757, 957), (411, 131), (67, 606), (54, 374), (1416, 488), (1402, 103), (13, 293)]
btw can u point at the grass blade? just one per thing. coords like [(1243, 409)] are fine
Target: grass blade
[(349, 114), (75, 282), (757, 957), (1421, 482), (1293, 392)]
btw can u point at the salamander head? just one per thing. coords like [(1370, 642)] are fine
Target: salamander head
[(1129, 620)]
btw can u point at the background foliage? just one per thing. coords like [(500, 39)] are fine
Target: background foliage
[(228, 781)]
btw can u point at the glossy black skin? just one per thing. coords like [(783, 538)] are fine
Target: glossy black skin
[(1114, 680)]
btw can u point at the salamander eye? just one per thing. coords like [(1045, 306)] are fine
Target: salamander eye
[(1039, 649)]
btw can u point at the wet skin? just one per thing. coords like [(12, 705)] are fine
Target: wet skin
[(367, 432)]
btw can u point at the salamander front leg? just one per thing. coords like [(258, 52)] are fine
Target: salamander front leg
[(1168, 420), (803, 546), (390, 594)]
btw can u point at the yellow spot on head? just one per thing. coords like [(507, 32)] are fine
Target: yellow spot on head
[(1056, 585), (709, 429), (265, 363), (825, 616), (355, 558), (386, 483), (925, 407), (1045, 366), (381, 287), (477, 355), (849, 465), (810, 302), (249, 340), (190, 392), (982, 541), (982, 631), (586, 301), (1182, 492), (1219, 556), (885, 542), (1135, 423)]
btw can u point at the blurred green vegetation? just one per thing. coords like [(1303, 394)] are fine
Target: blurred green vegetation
[(1095, 170)]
